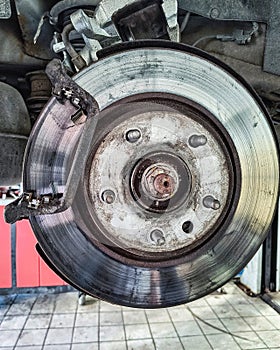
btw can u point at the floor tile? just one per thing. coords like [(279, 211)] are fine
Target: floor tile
[(159, 315), (109, 307), (59, 336), (247, 310), (35, 347), (198, 303), (44, 304), (216, 300), (22, 305), (224, 311), (136, 317), (178, 315), (119, 345), (252, 342), (111, 333), (187, 328), (222, 342), (85, 334), (30, 337), (167, 344), (274, 320), (163, 330), (191, 343), (145, 344), (92, 305), (270, 338), (9, 338), (211, 326), (38, 321), (260, 323), (57, 347), (206, 313), (236, 325), (13, 322), (86, 319), (66, 303), (139, 331), (62, 320), (111, 318), (84, 346)]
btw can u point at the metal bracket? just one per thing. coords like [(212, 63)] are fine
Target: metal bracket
[(32, 203), (65, 87)]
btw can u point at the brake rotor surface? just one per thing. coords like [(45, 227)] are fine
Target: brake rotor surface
[(180, 186)]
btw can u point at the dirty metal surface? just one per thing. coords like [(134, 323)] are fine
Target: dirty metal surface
[(241, 10), (68, 239)]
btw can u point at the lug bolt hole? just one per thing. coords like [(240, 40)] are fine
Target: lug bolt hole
[(187, 227)]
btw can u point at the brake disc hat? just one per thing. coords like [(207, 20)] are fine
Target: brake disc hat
[(170, 116)]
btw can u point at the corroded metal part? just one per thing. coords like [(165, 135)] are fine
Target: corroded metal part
[(118, 275)]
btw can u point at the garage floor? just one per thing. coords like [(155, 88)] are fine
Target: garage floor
[(219, 321)]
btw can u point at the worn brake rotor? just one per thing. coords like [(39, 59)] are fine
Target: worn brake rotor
[(180, 185)]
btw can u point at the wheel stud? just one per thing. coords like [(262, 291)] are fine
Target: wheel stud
[(211, 203), (157, 237), (197, 141), (133, 135), (108, 197)]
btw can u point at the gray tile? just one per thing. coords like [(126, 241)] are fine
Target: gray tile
[(139, 331), (22, 305), (111, 333), (158, 315), (38, 321), (134, 317), (59, 336), (44, 304), (111, 318), (235, 324), (145, 344), (109, 307), (163, 330), (211, 326), (252, 342), (274, 320), (267, 310), (270, 338), (66, 303), (198, 303), (167, 344), (13, 322), (9, 338), (7, 348), (57, 347), (92, 305), (260, 323), (35, 347), (224, 311), (86, 319), (205, 313), (187, 328), (222, 342), (4, 309), (191, 343), (247, 310), (216, 300), (179, 315), (85, 335), (62, 320), (30, 337), (84, 346), (118, 345)]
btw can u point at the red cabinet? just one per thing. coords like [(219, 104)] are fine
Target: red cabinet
[(31, 270)]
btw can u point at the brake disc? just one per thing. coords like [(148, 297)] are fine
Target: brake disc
[(180, 186)]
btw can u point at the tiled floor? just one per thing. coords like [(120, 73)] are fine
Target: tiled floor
[(219, 321)]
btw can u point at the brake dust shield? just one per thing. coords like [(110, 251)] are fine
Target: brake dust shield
[(180, 184)]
